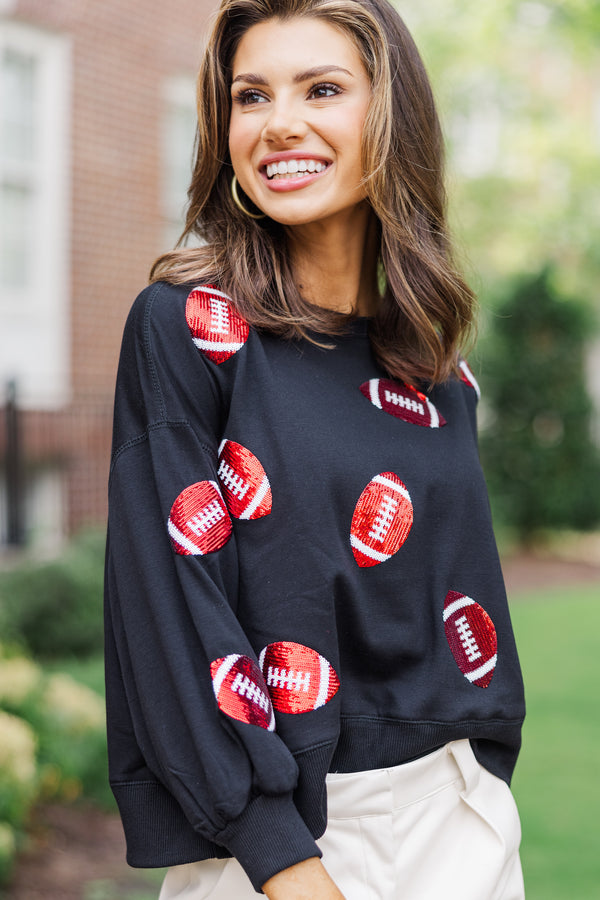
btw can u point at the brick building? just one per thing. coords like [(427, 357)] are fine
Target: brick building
[(96, 133)]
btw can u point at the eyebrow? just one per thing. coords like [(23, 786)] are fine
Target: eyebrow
[(315, 72)]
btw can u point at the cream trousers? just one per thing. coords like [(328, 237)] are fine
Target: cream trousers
[(438, 828)]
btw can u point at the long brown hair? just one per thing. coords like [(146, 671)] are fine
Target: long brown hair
[(426, 309)]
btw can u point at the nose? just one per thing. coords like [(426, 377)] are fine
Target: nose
[(284, 123)]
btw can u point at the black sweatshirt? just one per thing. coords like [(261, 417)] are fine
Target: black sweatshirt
[(301, 578)]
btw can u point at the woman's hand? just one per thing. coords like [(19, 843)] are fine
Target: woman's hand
[(307, 880)]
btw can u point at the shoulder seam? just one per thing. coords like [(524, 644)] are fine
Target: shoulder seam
[(155, 426)]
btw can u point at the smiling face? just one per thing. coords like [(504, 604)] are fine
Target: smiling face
[(300, 95)]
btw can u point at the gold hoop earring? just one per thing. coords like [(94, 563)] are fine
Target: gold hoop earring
[(238, 202)]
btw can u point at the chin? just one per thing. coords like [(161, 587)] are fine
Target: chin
[(291, 220), (304, 214)]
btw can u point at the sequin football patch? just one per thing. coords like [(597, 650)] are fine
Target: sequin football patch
[(467, 376), (199, 522), (241, 691), (298, 679), (471, 636), (402, 401), (217, 329), (244, 482), (382, 520)]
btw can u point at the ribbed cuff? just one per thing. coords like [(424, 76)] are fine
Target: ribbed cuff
[(269, 836)]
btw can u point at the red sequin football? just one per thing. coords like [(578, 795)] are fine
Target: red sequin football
[(216, 328), (402, 401), (241, 691), (468, 377), (298, 679), (471, 636), (244, 482), (199, 522), (382, 519)]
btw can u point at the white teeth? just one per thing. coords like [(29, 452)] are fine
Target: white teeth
[(294, 167)]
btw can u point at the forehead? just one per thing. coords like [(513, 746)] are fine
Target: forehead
[(295, 44)]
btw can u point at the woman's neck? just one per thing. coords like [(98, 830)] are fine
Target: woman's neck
[(335, 261)]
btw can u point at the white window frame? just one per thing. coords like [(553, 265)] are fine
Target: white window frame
[(34, 318)]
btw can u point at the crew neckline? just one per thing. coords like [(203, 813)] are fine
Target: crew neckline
[(357, 325)]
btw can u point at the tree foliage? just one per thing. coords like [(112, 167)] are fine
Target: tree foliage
[(542, 466), (54, 607), (518, 84)]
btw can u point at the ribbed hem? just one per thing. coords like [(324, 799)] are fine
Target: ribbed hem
[(310, 796), (269, 836), (156, 830), (368, 743)]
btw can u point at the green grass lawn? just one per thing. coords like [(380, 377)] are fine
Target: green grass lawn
[(557, 780)]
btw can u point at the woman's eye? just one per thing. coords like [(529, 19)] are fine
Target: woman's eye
[(248, 97), (318, 91)]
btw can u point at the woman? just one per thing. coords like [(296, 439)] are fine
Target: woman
[(306, 615)]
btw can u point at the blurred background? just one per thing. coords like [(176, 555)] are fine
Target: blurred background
[(96, 132)]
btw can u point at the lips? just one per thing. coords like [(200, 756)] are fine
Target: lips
[(291, 170)]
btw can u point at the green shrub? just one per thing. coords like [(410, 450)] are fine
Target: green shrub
[(71, 731), (542, 466), (68, 720), (54, 608), (53, 745), (18, 772)]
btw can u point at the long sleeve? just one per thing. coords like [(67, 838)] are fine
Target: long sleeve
[(182, 676)]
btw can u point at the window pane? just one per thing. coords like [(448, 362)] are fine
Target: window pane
[(17, 105), (16, 220)]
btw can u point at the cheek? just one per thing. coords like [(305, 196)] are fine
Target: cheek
[(345, 132), (240, 140)]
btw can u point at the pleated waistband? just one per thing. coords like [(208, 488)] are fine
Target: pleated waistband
[(378, 791)]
